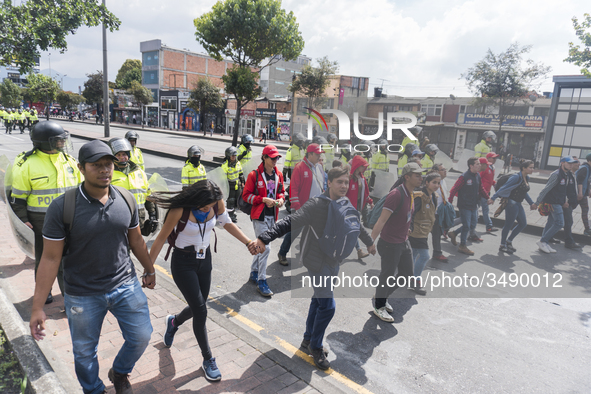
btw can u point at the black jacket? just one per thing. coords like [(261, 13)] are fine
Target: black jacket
[(312, 216)]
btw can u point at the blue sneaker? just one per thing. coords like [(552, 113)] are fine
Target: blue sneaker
[(254, 277), (212, 373), (263, 288), (170, 331)]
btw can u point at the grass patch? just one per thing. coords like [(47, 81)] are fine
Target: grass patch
[(12, 378)]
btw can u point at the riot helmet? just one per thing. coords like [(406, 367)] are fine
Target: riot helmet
[(118, 145), (299, 140), (489, 134), (409, 148), (132, 135), (332, 138), (50, 136), (195, 151), (431, 149), (231, 151), (319, 140), (246, 139)]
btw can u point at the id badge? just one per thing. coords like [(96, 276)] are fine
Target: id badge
[(408, 217), (201, 254)]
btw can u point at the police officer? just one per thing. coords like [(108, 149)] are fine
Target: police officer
[(130, 176), (244, 149), (329, 150), (8, 121), (294, 155), (20, 120), (193, 171), (485, 145), (39, 176), (136, 154), (408, 150), (379, 161), (233, 170), (33, 119), (417, 131), (3, 114), (429, 159)]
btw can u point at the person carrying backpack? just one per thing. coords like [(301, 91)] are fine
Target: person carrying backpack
[(583, 191), (316, 218), (394, 249), (192, 215), (358, 192)]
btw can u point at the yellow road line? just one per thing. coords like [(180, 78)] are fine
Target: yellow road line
[(283, 343)]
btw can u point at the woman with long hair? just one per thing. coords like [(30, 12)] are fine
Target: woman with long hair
[(515, 190), (198, 207)]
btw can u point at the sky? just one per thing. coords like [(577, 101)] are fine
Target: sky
[(419, 47)]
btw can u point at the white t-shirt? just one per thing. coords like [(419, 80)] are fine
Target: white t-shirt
[(199, 234)]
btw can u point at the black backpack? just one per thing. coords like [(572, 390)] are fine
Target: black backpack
[(244, 206), (501, 180)]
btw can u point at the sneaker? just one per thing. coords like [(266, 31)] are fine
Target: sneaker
[(543, 247), (319, 358), (383, 314), (388, 307), (573, 246), (306, 346), (282, 259), (452, 237), (550, 249), (587, 232), (212, 373), (505, 249), (554, 241), (491, 230), (234, 219), (263, 288), (170, 331), (420, 290), (49, 299), (120, 381), (510, 246), (361, 254), (475, 238), (464, 249), (441, 258), (254, 277)]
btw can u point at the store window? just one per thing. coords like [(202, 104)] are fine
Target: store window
[(150, 58), (168, 102), (432, 109)]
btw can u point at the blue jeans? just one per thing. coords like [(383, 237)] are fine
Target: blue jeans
[(485, 215), (568, 226), (469, 220), (554, 224), (322, 307), (129, 305), (420, 257), (259, 261), (287, 239), (513, 211)]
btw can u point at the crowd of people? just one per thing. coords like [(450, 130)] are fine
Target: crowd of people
[(75, 208)]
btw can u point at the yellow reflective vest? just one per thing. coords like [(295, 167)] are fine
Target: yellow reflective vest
[(136, 182), (293, 156), (379, 161), (401, 163), (3, 113), (247, 156), (41, 177), (426, 162), (19, 117), (328, 156), (481, 149), (138, 158), (233, 173), (191, 175)]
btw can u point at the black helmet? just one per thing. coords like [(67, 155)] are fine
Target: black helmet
[(409, 148), (120, 145), (431, 148), (299, 140), (132, 135), (195, 151), (332, 138), (49, 135), (231, 151), (319, 140), (490, 134), (246, 139)]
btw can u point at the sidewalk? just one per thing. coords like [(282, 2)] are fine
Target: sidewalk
[(247, 364)]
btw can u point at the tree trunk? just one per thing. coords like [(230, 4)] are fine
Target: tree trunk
[(236, 123)]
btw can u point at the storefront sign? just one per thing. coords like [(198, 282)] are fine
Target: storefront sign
[(285, 116), (529, 121), (266, 112)]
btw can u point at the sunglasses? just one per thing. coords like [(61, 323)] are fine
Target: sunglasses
[(273, 158)]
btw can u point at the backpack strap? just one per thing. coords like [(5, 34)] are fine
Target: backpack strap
[(179, 227), (68, 215), (129, 198), (215, 245)]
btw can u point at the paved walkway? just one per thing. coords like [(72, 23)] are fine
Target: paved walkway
[(245, 367)]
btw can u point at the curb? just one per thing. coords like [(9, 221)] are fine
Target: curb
[(41, 376)]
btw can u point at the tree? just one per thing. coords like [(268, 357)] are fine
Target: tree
[(37, 25), (127, 66), (501, 80), (205, 96), (68, 100), (93, 88), (42, 88), (10, 94), (313, 81), (133, 75), (248, 32), (576, 55), (142, 94)]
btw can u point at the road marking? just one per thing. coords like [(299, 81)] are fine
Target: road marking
[(12, 136), (283, 343)]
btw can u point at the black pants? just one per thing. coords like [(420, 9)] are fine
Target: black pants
[(393, 256), (436, 237), (193, 278)]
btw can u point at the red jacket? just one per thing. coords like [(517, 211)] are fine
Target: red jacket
[(257, 199), (353, 193), (488, 178), (301, 183)]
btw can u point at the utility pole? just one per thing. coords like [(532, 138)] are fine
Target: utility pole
[(293, 78), (106, 114)]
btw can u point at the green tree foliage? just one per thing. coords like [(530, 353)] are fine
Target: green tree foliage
[(576, 55), (205, 96), (142, 94), (10, 94), (69, 100), (42, 88), (313, 81), (37, 25), (501, 80), (248, 32), (93, 88), (122, 80)]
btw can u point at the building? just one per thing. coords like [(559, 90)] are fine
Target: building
[(276, 78), (569, 125), (12, 72)]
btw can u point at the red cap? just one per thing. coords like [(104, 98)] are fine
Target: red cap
[(491, 155), (314, 148), (483, 160), (271, 151)]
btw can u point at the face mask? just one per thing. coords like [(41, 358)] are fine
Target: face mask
[(200, 215), (195, 160), (247, 145)]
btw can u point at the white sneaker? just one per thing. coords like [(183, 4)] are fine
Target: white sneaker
[(543, 247), (550, 249), (383, 314), (389, 307)]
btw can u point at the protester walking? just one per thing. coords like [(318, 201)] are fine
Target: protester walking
[(583, 191), (437, 231), (358, 192), (487, 175), (571, 198)]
